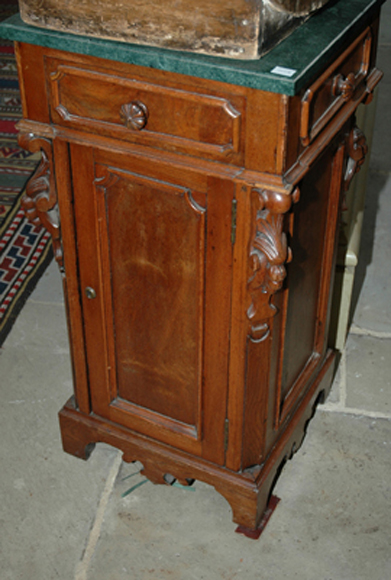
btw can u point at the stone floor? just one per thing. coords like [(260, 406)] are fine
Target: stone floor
[(62, 518)]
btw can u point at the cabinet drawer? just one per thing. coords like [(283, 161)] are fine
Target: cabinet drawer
[(134, 109), (335, 87)]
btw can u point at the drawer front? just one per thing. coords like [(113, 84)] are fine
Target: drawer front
[(335, 87), (133, 109)]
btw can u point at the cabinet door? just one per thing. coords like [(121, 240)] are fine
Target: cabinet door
[(155, 264)]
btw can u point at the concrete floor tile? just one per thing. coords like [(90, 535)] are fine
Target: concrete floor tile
[(338, 503), (335, 392), (385, 28), (372, 291), (380, 154), (40, 327), (49, 498), (368, 382), (333, 521), (49, 289)]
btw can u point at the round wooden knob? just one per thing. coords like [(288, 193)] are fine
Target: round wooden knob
[(344, 86), (134, 115)]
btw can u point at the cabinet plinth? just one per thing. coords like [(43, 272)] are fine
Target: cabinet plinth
[(195, 223)]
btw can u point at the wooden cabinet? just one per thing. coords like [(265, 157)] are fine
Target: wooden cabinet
[(197, 230), (155, 260)]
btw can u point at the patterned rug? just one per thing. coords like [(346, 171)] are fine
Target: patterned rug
[(25, 250)]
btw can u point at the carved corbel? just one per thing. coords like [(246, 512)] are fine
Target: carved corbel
[(40, 200), (357, 149), (269, 253)]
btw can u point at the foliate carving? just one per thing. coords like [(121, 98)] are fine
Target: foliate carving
[(357, 149), (40, 200), (269, 253)]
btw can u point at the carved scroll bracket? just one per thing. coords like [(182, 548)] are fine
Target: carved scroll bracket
[(269, 253), (40, 200), (357, 149)]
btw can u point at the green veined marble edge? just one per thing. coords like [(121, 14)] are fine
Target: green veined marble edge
[(306, 50)]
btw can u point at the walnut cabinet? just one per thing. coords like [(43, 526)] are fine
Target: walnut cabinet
[(195, 223)]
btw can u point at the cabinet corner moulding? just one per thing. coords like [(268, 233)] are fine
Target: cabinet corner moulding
[(40, 200)]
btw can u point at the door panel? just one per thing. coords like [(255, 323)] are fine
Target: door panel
[(156, 261), (147, 330)]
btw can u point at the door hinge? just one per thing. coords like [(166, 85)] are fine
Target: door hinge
[(226, 433), (233, 221)]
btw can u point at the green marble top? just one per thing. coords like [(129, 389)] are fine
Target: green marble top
[(305, 51)]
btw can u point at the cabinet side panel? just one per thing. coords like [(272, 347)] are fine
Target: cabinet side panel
[(305, 271), (304, 339)]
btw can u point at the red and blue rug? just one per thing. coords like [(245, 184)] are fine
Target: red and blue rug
[(25, 250)]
